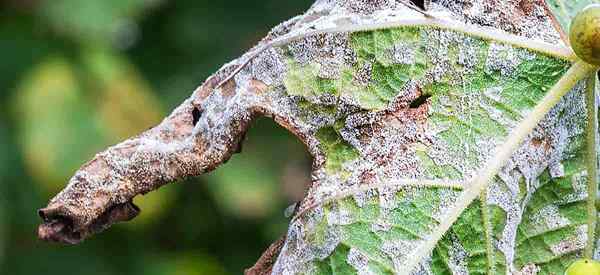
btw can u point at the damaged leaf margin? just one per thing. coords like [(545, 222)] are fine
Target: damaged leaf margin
[(370, 147)]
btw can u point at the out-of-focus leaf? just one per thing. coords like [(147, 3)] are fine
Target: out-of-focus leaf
[(2, 234), (154, 205), (21, 48), (246, 187), (565, 10), (249, 184), (100, 21), (3, 214), (183, 264), (57, 128), (127, 105)]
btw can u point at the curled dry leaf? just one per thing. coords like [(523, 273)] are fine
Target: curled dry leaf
[(454, 140)]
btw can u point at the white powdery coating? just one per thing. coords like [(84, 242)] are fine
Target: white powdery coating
[(387, 150), (544, 149), (529, 269), (397, 144), (579, 183), (331, 51), (447, 199), (399, 250), (510, 204), (297, 252), (557, 170), (504, 195), (294, 255), (494, 93), (549, 218), (218, 110), (438, 52), (269, 67), (573, 243), (503, 58), (363, 198), (338, 215), (547, 144), (403, 53), (504, 14), (382, 222), (359, 261), (387, 197), (457, 258), (467, 55), (497, 115), (424, 268), (285, 106)]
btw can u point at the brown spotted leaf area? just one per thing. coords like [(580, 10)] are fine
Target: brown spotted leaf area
[(448, 137)]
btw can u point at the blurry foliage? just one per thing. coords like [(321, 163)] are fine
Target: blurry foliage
[(57, 125), (249, 184), (77, 76), (106, 22), (187, 264), (3, 206)]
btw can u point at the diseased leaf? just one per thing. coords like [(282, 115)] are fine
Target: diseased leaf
[(440, 147), (478, 90)]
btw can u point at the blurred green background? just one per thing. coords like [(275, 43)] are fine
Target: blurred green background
[(79, 75)]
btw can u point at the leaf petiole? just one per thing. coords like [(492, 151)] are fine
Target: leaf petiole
[(591, 161)]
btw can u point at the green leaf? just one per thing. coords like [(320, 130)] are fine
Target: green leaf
[(97, 21), (53, 112)]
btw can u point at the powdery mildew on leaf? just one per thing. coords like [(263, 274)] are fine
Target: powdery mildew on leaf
[(400, 112)]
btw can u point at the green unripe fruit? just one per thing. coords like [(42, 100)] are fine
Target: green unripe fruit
[(584, 267), (584, 34)]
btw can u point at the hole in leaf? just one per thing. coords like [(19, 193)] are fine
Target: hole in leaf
[(419, 3), (272, 173), (196, 114), (419, 101)]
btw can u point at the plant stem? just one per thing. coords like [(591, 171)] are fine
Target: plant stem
[(591, 161), (577, 72)]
